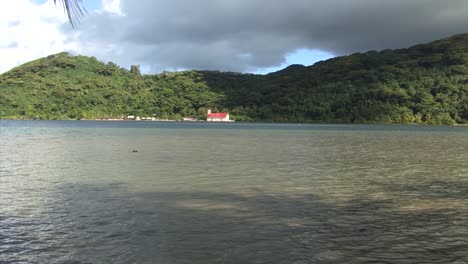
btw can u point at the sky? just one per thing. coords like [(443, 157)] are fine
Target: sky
[(255, 36)]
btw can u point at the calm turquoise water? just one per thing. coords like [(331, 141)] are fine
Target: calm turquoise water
[(76, 192)]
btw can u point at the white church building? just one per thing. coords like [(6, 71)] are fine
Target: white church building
[(217, 117)]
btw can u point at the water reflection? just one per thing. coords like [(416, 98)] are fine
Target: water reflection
[(80, 195), (90, 224)]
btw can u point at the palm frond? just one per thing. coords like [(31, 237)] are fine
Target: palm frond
[(74, 9)]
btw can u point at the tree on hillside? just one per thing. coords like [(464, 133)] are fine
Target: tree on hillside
[(74, 9), (135, 69)]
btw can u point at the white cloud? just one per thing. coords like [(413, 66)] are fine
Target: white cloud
[(29, 31), (112, 6)]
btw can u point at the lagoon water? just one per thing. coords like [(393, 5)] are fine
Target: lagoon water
[(151, 192)]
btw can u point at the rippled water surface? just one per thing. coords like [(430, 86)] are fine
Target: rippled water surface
[(148, 192)]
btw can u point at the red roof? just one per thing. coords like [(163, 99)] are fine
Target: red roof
[(217, 115)]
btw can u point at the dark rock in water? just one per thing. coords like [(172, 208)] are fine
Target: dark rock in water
[(134, 150), (362, 229)]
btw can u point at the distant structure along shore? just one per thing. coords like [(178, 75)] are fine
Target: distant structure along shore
[(217, 117), (210, 117)]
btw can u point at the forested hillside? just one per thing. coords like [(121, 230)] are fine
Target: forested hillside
[(423, 84)]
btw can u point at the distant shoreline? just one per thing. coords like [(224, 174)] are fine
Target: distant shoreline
[(259, 121), (113, 119)]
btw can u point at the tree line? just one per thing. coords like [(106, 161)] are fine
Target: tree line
[(425, 84)]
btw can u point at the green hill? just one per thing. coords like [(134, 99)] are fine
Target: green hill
[(423, 84)]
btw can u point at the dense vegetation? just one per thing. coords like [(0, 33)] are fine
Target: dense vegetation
[(423, 84)]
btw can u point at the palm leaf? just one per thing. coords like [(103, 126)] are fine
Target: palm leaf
[(74, 9)]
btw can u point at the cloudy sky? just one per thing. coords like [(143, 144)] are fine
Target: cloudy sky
[(230, 35)]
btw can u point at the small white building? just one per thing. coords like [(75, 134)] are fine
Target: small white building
[(217, 117), (190, 118)]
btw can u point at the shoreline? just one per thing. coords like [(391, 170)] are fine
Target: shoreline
[(233, 121)]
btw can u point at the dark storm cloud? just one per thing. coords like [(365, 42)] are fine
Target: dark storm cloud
[(243, 35)]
